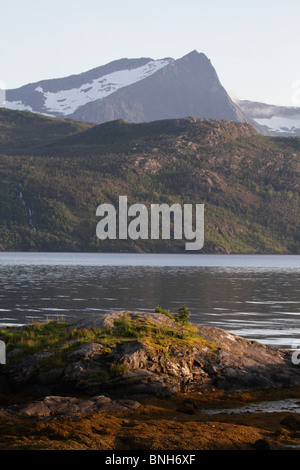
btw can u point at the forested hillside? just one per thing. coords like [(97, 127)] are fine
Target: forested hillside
[(54, 173)]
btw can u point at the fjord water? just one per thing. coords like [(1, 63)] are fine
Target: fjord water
[(254, 296)]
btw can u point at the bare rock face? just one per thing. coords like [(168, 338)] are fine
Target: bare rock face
[(108, 319), (56, 406), (142, 382), (244, 364)]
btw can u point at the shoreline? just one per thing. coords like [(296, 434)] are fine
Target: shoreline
[(163, 425), (149, 391)]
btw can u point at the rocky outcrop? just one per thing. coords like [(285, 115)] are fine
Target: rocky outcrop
[(56, 406), (244, 364), (138, 367), (108, 320)]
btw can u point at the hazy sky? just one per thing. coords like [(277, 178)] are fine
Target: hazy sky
[(254, 45)]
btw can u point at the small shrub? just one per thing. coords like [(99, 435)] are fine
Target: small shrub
[(124, 327), (183, 315), (118, 369), (158, 309)]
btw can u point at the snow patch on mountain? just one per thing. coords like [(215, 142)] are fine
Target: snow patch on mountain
[(16, 106), (280, 124), (66, 102)]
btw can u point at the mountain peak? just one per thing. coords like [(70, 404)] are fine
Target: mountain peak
[(195, 55), (136, 90)]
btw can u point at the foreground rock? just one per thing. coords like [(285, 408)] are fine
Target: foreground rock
[(55, 406), (142, 367), (244, 364)]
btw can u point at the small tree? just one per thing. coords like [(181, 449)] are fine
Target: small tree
[(183, 315)]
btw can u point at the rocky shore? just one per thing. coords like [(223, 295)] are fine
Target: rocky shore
[(123, 362)]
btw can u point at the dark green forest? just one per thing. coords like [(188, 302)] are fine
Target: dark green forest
[(54, 173)]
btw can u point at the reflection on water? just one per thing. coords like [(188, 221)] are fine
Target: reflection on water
[(254, 296), (290, 405)]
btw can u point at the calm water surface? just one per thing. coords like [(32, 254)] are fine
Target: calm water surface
[(255, 296)]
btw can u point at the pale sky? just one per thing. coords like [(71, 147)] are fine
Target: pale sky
[(254, 45)]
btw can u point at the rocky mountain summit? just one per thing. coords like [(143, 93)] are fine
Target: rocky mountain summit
[(121, 356), (135, 90), (145, 89)]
